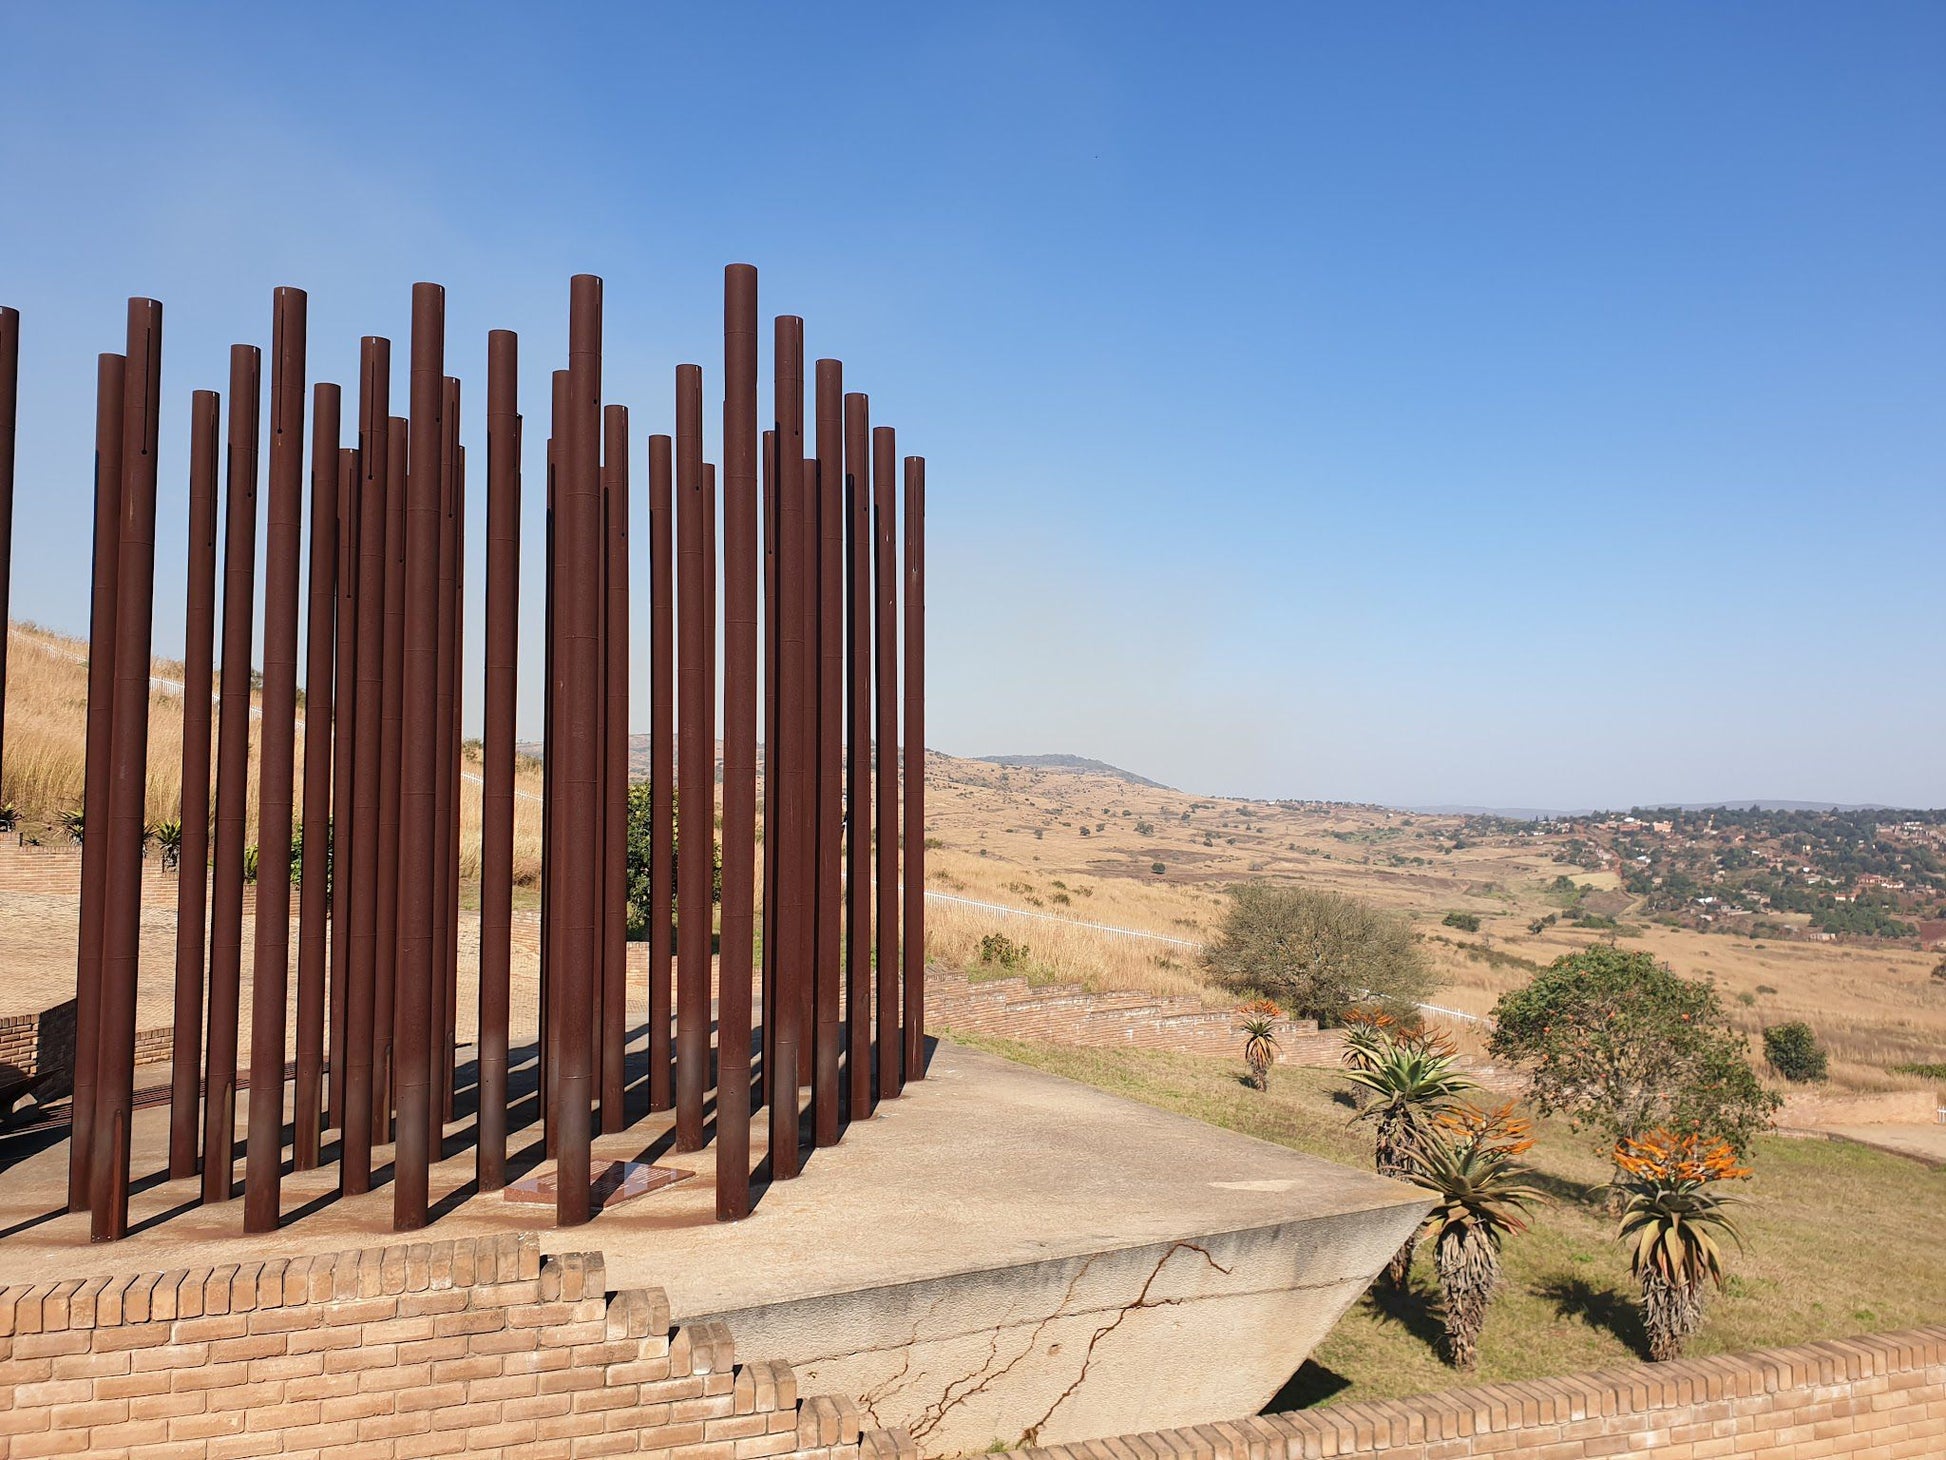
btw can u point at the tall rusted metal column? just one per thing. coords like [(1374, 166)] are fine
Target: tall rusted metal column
[(739, 741), (662, 770), (378, 493), (694, 793), (858, 755), (419, 763), (232, 778), (128, 776), (449, 911), (192, 865), (793, 910), (810, 599), (773, 830), (497, 750), (912, 942), (276, 776), (445, 852), (579, 777), (885, 585), (552, 916), (614, 917), (320, 736), (344, 751), (343, 731), (9, 416), (391, 782), (110, 373), (831, 741)]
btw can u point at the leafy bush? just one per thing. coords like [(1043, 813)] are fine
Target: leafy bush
[(1466, 922), (1619, 1043), (641, 844), (1793, 1051), (1317, 953), (999, 948)]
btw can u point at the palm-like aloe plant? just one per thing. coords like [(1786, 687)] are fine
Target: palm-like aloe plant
[(1673, 1221), (1410, 1081), (1468, 1162), (1257, 1021)]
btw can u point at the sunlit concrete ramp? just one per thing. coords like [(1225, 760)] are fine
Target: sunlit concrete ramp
[(1000, 1254), (1052, 1263)]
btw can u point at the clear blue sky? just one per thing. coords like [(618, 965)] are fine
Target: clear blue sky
[(1511, 404)]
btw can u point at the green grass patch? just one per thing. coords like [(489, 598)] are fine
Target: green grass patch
[(1839, 1239)]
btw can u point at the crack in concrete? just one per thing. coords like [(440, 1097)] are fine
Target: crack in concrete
[(986, 1375), (1031, 1435), (891, 1384)]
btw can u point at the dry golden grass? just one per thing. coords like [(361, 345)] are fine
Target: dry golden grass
[(1010, 835), (1016, 838), (47, 699)]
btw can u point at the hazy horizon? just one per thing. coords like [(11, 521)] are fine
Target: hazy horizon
[(1535, 407)]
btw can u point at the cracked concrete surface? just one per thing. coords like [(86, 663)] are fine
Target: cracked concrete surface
[(1000, 1254), (1064, 1264)]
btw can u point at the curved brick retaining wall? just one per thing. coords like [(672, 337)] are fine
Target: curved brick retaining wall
[(1877, 1397), (474, 1347)]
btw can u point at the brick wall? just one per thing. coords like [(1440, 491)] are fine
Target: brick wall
[(1879, 1397), (476, 1346)]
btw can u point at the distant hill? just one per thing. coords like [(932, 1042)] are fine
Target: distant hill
[(1080, 763), (1530, 813)]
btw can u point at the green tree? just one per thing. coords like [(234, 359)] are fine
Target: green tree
[(1317, 953), (1793, 1051), (640, 843), (1618, 1043)]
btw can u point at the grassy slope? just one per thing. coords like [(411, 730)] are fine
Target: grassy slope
[(1839, 1239)]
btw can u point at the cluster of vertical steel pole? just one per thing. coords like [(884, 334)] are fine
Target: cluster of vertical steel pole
[(810, 596)]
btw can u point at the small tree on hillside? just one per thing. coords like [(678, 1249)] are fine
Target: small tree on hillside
[(640, 844), (1792, 1049), (1317, 953), (1620, 1044)]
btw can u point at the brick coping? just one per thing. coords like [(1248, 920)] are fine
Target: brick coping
[(1641, 1390)]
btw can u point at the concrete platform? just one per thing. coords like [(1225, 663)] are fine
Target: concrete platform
[(999, 1255)]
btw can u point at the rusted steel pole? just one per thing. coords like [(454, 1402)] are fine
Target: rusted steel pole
[(792, 910), (391, 749), (276, 776), (449, 912), (885, 585), (344, 750), (192, 866), (232, 778), (439, 1029), (858, 755), (809, 938), (773, 830), (550, 1063), (110, 373), (913, 935), (497, 750), (739, 741), (662, 769), (694, 793), (128, 775), (419, 763), (831, 765), (579, 777), (344, 708), (9, 416), (614, 923), (378, 490), (320, 738)]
